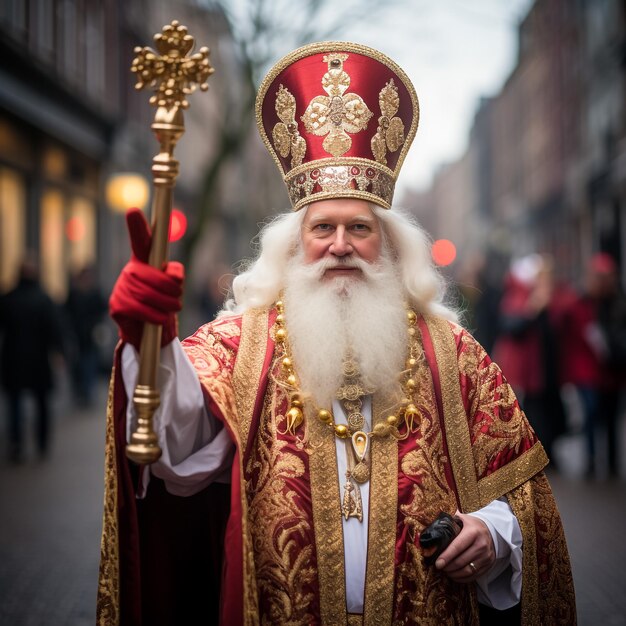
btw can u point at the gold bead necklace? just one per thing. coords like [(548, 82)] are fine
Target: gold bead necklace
[(406, 414)]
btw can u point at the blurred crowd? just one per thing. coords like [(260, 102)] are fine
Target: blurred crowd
[(38, 339), (549, 337)]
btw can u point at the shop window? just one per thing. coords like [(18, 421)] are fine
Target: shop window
[(80, 232), (12, 226), (51, 242)]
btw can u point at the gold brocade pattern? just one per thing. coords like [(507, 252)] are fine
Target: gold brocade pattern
[(454, 414), (326, 502), (498, 425), (108, 603), (547, 587), (293, 547), (513, 474), (278, 522), (354, 176), (383, 503), (424, 595), (501, 424), (521, 502), (338, 113), (285, 133), (247, 369), (390, 132), (249, 366)]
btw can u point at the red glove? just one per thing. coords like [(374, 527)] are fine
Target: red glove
[(144, 293)]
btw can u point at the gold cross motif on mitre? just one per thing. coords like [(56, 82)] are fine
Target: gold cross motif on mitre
[(169, 70), (339, 113)]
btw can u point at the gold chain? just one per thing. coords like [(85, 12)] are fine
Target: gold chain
[(352, 393)]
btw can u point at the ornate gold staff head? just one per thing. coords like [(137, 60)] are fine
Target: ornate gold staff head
[(170, 71)]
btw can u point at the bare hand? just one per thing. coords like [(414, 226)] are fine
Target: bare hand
[(472, 545)]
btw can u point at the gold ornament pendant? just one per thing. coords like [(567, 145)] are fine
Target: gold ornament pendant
[(352, 505), (360, 446)]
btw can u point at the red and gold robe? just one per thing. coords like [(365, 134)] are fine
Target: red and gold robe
[(283, 543)]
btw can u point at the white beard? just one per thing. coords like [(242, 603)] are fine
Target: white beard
[(328, 318)]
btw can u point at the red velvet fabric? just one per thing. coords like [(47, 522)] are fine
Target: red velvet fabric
[(129, 558)]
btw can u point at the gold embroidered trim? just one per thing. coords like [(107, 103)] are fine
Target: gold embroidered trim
[(381, 540), (368, 183), (336, 46), (338, 113), (358, 161), (249, 363), (248, 366), (521, 502), (326, 504), (108, 603), (512, 474), (285, 133), (390, 132), (454, 415)]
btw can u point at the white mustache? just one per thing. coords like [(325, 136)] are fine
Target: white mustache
[(318, 268)]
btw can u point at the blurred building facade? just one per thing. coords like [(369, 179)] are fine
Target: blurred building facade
[(60, 94), (70, 118), (545, 166)]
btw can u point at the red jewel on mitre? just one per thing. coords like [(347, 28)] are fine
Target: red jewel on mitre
[(338, 118)]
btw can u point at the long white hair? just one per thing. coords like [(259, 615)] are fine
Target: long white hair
[(261, 282)]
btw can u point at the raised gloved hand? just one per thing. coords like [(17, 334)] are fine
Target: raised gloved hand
[(144, 293)]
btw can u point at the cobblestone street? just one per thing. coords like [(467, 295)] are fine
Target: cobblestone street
[(51, 520)]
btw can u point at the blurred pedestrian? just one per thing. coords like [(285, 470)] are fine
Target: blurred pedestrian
[(31, 336), (528, 347), (85, 310), (595, 354)]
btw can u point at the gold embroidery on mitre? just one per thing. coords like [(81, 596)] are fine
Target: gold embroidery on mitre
[(390, 132), (339, 113), (285, 133)]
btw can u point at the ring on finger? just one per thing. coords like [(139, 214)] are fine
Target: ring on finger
[(473, 567)]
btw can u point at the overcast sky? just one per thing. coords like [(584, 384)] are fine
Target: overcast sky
[(454, 51)]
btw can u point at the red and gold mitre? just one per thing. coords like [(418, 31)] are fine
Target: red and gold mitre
[(338, 118)]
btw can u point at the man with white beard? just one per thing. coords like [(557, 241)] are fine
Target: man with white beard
[(337, 397)]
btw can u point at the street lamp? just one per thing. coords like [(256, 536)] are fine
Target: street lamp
[(127, 190)]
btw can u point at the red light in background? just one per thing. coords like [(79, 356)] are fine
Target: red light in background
[(178, 225), (443, 251), (75, 229)]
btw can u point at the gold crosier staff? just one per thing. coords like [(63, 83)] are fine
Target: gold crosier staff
[(173, 73)]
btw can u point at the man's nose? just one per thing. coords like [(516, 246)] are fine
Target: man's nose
[(341, 245)]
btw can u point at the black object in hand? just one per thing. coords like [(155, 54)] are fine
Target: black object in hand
[(437, 537)]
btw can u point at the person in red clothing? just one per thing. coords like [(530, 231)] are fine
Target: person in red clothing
[(528, 346), (595, 354)]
